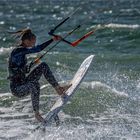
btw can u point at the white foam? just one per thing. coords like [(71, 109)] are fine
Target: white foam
[(5, 50), (14, 115), (113, 25), (5, 110), (2, 22), (130, 10), (5, 94), (97, 84), (138, 86)]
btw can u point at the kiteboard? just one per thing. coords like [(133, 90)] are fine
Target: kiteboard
[(75, 82)]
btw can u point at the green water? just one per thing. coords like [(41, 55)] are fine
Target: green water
[(106, 106)]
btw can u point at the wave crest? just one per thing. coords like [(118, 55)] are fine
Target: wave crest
[(98, 85)]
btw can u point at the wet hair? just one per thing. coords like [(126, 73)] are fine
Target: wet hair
[(24, 34)]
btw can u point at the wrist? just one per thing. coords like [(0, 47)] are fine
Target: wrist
[(56, 38)]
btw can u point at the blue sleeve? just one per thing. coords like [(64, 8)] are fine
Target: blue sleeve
[(37, 48)]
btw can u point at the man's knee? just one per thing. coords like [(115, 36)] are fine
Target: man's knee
[(34, 87)]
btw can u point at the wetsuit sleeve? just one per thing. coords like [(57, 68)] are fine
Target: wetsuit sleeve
[(37, 48)]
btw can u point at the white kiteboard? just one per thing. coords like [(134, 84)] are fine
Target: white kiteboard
[(80, 74)]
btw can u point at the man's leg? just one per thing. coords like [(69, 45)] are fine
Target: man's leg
[(44, 69)]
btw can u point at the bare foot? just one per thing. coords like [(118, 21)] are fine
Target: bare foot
[(39, 117), (61, 90)]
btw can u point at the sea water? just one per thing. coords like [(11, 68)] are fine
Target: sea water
[(106, 106)]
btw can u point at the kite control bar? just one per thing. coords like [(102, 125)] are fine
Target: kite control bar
[(51, 32)]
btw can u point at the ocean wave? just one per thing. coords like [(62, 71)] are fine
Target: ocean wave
[(113, 25), (8, 94), (5, 50), (99, 85), (131, 10)]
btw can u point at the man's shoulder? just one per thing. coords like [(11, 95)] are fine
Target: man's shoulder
[(17, 50)]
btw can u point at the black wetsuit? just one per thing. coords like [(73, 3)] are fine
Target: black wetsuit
[(23, 83)]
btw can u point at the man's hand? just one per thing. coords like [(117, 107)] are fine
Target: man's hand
[(57, 37)]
